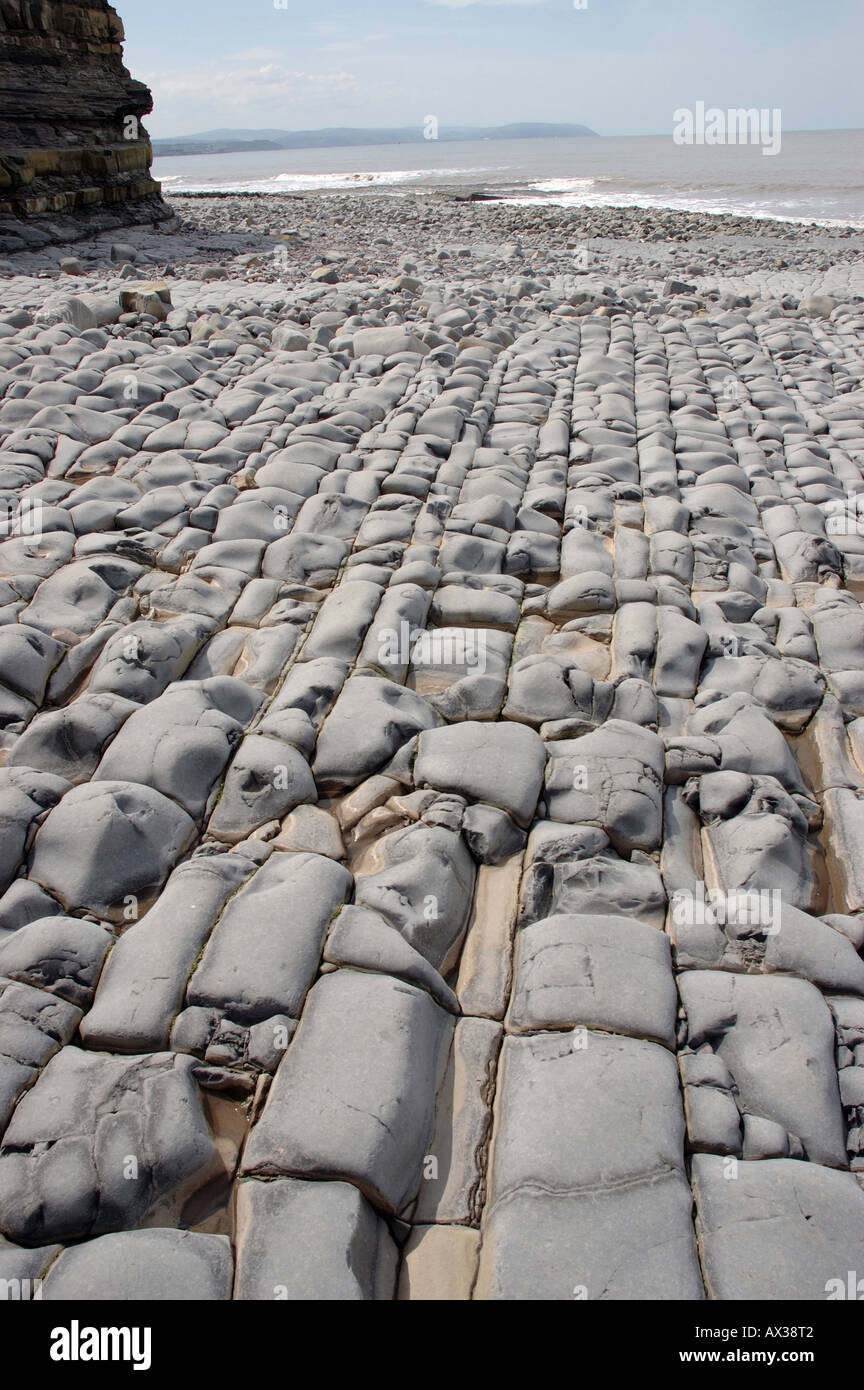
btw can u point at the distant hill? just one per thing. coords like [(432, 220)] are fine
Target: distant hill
[(166, 148), (230, 141)]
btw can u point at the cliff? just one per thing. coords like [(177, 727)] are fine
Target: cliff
[(74, 155)]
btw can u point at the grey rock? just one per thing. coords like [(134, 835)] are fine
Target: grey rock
[(59, 954), (109, 841), (24, 902), (140, 661), (370, 721), (501, 764), (421, 880), (809, 1236), (143, 1266), (342, 621), (362, 939), (33, 1026), (612, 778), (575, 870), (776, 1036), (490, 833), (387, 342), (265, 781), (621, 1243), (304, 559), (311, 1241), (453, 1190), (338, 1116), (68, 742), (264, 953), (144, 981), (588, 1162), (746, 940), (844, 816), (25, 797), (77, 597), (594, 972), (179, 744), (21, 1270), (27, 658), (89, 1117)]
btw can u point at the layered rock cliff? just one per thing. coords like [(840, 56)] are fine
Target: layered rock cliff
[(73, 150)]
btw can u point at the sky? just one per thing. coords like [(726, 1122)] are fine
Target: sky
[(619, 66)]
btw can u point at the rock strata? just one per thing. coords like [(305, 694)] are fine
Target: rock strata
[(74, 156)]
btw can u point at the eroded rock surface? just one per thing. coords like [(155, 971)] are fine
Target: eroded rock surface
[(432, 727)]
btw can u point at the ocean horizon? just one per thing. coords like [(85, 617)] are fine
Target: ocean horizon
[(816, 176)]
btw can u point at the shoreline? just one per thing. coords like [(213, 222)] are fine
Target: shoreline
[(283, 238), (619, 219), (202, 226), (460, 193)]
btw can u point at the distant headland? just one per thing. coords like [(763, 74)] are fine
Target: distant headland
[(235, 141)]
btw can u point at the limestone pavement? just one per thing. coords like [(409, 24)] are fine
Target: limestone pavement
[(432, 699)]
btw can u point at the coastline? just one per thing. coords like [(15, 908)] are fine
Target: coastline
[(813, 179)]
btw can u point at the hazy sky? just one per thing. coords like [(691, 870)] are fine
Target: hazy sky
[(620, 66)]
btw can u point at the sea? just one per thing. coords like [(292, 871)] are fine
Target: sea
[(816, 176)]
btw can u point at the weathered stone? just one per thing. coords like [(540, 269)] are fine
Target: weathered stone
[(141, 660), (844, 825), (60, 954), (484, 969), (63, 1164), (371, 720), (776, 1037), (453, 1184), (575, 870), (22, 1271), (33, 1026), (501, 764), (594, 972), (587, 1165), (264, 952), (109, 842), (266, 779), (25, 797), (755, 936), (363, 939), (144, 981), (68, 742), (421, 880), (179, 744), (808, 1234), (335, 1116), (612, 778), (143, 1266), (311, 1241)]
